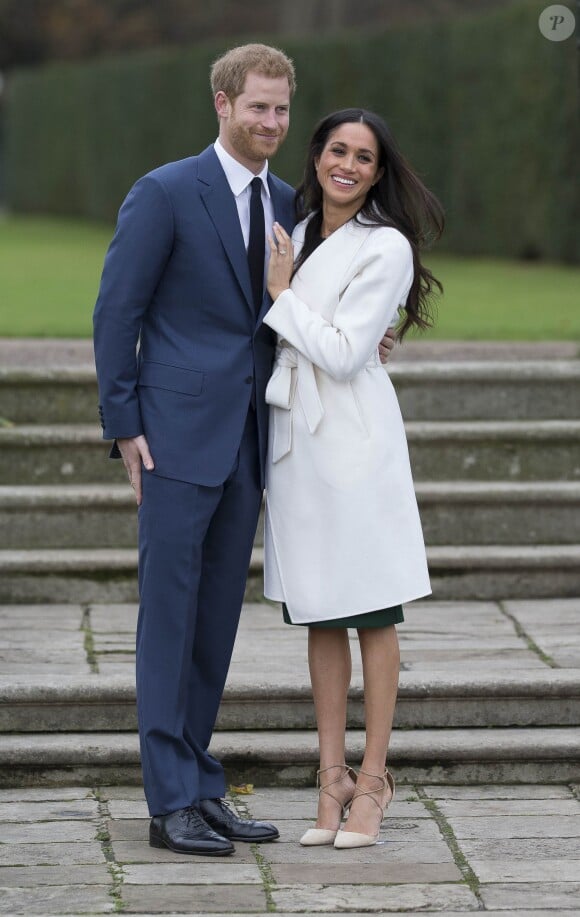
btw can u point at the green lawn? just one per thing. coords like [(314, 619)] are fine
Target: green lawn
[(495, 299), (49, 275)]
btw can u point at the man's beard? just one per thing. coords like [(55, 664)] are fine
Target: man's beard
[(250, 147)]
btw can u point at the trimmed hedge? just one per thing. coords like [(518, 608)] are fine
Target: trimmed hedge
[(484, 107)]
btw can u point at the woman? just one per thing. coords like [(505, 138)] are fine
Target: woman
[(343, 540)]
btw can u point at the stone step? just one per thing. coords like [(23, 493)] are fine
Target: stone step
[(462, 513), (427, 390), (104, 575), (69, 515), (499, 512), (48, 394), (440, 450), (290, 758), (491, 390), (56, 453), (101, 703), (495, 450)]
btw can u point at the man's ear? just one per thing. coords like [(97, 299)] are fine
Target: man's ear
[(223, 106)]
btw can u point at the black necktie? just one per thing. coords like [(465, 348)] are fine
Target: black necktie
[(257, 243)]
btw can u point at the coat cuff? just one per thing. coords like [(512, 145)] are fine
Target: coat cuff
[(121, 424), (275, 315)]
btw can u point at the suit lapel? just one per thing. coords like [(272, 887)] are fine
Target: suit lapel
[(221, 206), (283, 206)]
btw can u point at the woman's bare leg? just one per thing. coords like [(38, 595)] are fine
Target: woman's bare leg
[(380, 659), (330, 671)]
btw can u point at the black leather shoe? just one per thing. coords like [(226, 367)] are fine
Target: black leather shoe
[(186, 831), (221, 818)]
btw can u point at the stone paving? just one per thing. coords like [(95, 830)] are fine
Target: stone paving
[(39, 641), (456, 850), (447, 849)]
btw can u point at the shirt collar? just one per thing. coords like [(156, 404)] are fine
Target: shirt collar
[(237, 175)]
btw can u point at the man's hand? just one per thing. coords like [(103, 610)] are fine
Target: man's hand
[(135, 452), (387, 344)]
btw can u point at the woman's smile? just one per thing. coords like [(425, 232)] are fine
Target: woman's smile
[(342, 180)]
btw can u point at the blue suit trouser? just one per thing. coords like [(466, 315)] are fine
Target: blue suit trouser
[(195, 545)]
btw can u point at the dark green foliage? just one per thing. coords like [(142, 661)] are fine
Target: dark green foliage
[(485, 108)]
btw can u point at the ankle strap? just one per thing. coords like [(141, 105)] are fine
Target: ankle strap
[(384, 776), (346, 770), (386, 779)]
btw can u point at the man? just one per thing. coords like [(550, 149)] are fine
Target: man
[(184, 277)]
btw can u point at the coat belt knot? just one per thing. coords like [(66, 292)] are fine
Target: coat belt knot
[(292, 372)]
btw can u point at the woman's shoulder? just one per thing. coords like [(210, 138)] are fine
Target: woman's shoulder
[(382, 235), (386, 240)]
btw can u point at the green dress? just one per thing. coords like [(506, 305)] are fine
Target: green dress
[(383, 617)]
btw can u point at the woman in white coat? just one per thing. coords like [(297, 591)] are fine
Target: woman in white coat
[(343, 540)]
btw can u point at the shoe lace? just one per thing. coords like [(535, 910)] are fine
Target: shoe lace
[(229, 817), (194, 818)]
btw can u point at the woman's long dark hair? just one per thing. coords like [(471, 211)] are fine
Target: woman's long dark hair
[(399, 199)]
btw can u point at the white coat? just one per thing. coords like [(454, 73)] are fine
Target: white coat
[(342, 532)]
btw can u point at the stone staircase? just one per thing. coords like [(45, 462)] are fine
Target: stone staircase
[(495, 448)]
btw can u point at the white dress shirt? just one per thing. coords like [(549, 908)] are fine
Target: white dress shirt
[(239, 179)]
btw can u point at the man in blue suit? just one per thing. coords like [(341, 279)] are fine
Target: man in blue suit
[(188, 415)]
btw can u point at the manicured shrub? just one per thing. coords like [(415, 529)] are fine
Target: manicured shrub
[(485, 108)]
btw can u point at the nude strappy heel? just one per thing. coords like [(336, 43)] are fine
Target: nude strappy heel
[(347, 839), (318, 837)]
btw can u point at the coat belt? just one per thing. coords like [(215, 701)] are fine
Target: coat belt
[(292, 372)]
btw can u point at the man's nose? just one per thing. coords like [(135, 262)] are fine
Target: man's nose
[(269, 119)]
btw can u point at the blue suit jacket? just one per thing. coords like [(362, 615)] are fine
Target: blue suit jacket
[(176, 278)]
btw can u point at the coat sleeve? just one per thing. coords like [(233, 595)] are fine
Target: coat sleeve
[(133, 267), (382, 279)]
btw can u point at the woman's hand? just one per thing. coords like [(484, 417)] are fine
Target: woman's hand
[(386, 344), (281, 261)]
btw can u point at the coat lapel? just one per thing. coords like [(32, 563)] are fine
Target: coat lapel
[(221, 207), (333, 256)]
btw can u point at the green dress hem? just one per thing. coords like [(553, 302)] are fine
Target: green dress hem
[(382, 617)]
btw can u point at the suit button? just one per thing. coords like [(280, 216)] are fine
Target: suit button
[(249, 379)]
